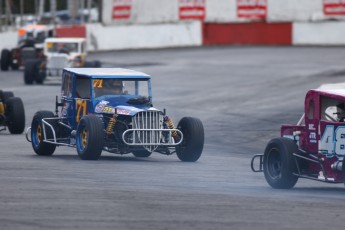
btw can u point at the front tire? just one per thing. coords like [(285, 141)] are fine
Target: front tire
[(37, 135), (279, 164), (193, 139), (89, 139), (15, 115)]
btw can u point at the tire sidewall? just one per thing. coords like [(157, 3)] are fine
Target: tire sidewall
[(15, 115), (5, 59), (5, 95), (42, 148), (284, 148), (35, 140), (29, 72), (80, 148), (95, 137), (192, 144)]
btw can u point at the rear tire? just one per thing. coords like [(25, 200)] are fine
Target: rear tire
[(5, 95), (37, 135), (279, 164), (5, 59), (89, 139), (40, 77), (15, 115), (31, 71), (193, 139)]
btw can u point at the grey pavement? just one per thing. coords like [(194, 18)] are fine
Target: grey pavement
[(241, 94)]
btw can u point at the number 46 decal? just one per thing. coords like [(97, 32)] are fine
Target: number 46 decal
[(333, 142)]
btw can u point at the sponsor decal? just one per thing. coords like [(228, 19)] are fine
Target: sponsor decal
[(192, 9), (122, 9), (100, 106), (334, 7), (254, 9), (81, 106), (333, 140), (312, 137), (311, 127), (108, 109), (122, 111)]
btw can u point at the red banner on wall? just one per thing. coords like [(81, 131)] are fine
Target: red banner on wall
[(334, 7), (122, 9), (252, 8), (192, 9)]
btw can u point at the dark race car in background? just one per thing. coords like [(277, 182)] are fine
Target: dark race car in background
[(12, 114), (30, 46)]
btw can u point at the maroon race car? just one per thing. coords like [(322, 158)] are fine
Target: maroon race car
[(312, 149)]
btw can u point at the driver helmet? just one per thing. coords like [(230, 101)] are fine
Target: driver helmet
[(115, 85)]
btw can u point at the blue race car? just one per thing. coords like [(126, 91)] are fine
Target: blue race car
[(111, 109)]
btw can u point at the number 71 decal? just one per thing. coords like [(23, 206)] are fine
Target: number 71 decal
[(333, 141)]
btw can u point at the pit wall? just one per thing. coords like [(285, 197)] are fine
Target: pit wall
[(283, 22), (137, 24)]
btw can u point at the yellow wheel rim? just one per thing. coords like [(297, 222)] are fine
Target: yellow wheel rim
[(39, 133), (84, 138)]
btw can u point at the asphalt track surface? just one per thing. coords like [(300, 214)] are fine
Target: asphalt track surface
[(241, 94)]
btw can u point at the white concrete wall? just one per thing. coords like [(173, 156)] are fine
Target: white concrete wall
[(322, 33), (8, 40), (221, 11), (153, 11), (143, 36), (155, 24), (107, 9), (144, 12), (294, 10), (167, 11)]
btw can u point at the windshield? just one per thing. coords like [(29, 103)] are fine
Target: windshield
[(129, 87), (62, 47)]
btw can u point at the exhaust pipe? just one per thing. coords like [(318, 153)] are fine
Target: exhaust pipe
[(337, 166)]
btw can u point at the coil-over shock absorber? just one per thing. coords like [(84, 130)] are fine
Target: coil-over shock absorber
[(2, 109), (169, 122), (111, 125)]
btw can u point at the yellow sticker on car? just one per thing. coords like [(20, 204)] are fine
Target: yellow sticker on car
[(49, 45), (98, 83)]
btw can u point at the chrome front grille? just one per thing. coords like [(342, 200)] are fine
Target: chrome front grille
[(148, 131), (147, 128), (148, 120)]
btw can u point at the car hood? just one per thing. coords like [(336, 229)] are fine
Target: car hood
[(120, 105)]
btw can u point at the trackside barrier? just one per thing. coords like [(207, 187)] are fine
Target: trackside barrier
[(77, 31), (321, 33), (8, 39), (254, 33), (143, 36)]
